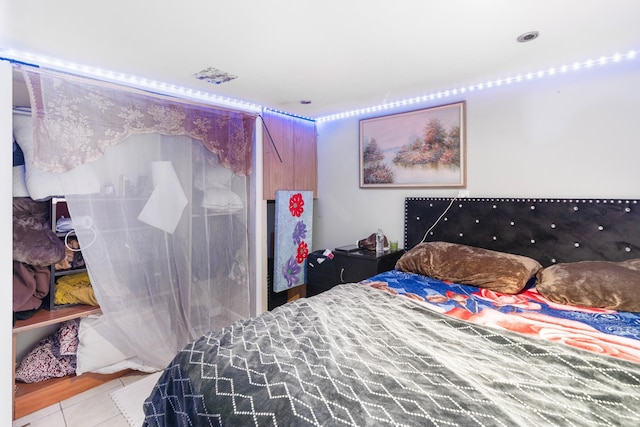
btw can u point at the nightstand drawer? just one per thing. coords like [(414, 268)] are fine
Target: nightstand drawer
[(322, 273), (346, 268), (355, 269), (360, 265)]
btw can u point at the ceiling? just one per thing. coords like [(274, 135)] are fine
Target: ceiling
[(339, 54)]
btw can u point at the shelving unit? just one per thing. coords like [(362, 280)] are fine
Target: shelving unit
[(33, 397), (28, 398), (58, 208), (46, 317)]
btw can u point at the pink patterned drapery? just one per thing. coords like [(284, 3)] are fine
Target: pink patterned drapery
[(75, 119)]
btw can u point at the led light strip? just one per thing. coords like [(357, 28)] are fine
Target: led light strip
[(127, 80), (286, 113), (186, 93), (480, 86)]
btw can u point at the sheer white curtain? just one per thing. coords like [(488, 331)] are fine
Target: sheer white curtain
[(166, 277), (165, 239)]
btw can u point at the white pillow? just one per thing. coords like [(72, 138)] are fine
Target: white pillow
[(41, 184), (221, 200), (210, 173), (97, 354)]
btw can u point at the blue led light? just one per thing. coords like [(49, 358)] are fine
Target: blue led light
[(127, 80), (143, 83), (490, 84)]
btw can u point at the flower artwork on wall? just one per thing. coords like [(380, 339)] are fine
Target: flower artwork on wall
[(294, 214)]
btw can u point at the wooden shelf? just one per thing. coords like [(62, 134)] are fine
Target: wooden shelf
[(28, 398), (35, 396), (32, 397), (60, 273), (45, 317)]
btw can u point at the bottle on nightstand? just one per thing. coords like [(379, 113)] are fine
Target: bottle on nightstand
[(379, 242)]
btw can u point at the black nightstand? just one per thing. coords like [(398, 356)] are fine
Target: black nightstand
[(347, 267), (360, 265)]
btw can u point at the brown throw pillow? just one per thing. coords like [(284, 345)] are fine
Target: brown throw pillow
[(498, 271), (600, 284)]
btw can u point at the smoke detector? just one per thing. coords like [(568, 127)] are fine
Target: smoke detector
[(214, 75)]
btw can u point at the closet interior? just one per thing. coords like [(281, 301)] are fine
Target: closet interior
[(154, 214)]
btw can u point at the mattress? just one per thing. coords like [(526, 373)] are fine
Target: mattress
[(405, 349)]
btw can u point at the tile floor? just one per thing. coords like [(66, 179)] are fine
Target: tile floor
[(92, 408)]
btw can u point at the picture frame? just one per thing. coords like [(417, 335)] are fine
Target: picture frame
[(293, 238), (422, 148)]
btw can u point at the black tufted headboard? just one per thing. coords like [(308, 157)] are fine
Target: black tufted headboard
[(548, 230)]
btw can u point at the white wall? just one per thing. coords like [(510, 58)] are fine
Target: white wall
[(6, 264), (570, 135)]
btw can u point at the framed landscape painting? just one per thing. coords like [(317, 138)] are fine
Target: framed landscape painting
[(422, 148)]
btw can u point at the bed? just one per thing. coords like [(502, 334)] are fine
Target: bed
[(473, 327)]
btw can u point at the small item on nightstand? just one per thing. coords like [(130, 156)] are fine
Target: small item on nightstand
[(347, 248), (369, 243), (393, 245), (379, 242)]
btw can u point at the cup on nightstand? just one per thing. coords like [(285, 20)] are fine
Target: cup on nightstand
[(393, 245)]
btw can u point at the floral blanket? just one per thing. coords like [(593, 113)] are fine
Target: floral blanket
[(602, 331)]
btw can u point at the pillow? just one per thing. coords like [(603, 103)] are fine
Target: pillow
[(221, 200), (208, 172), (51, 358), (97, 354), (498, 271), (218, 177), (214, 180), (41, 184), (600, 284), (67, 337)]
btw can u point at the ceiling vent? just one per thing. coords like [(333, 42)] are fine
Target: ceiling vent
[(213, 75)]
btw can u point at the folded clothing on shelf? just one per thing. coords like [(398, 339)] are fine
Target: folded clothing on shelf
[(64, 225)]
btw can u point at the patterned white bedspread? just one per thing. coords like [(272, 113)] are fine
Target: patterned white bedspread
[(358, 356)]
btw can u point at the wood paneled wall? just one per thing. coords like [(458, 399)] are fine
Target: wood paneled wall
[(290, 154)]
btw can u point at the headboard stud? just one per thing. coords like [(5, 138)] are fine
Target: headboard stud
[(548, 230)]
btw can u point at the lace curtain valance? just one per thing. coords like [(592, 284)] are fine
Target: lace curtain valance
[(76, 119)]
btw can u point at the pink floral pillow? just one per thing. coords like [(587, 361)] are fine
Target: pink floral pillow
[(67, 336), (53, 357)]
